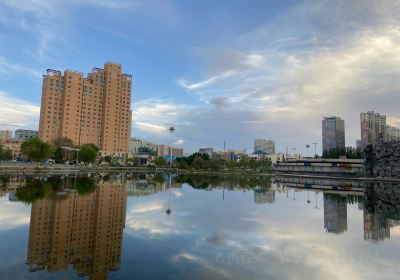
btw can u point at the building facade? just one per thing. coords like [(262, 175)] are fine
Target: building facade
[(25, 134), (94, 109), (14, 145), (392, 134), (266, 146), (373, 126), (5, 135), (333, 133), (165, 151), (140, 147)]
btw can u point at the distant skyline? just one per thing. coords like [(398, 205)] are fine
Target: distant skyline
[(225, 70)]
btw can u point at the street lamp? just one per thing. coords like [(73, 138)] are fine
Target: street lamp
[(171, 130), (307, 147), (315, 149)]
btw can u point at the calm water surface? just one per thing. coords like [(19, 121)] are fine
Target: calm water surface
[(154, 227)]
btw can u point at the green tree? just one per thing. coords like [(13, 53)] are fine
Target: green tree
[(88, 153), (5, 154), (62, 154), (160, 161), (108, 158), (37, 150)]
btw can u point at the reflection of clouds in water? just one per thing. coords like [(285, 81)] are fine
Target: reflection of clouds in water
[(18, 216), (206, 265), (256, 242), (148, 207)]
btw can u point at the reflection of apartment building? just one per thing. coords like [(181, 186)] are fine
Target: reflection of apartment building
[(262, 196), (85, 231), (335, 213), (93, 109), (376, 227)]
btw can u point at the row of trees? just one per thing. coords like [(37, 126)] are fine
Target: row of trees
[(201, 161), (5, 154), (62, 150), (349, 152)]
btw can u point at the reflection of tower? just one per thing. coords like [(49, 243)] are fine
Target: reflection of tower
[(376, 227), (85, 231), (169, 211), (335, 213), (264, 196)]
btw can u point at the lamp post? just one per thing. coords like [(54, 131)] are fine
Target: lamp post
[(171, 130), (315, 149)]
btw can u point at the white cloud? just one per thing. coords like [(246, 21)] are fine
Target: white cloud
[(17, 113), (193, 86), (343, 66)]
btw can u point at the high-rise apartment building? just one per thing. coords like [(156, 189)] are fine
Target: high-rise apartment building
[(373, 126), (392, 133), (266, 146), (333, 133), (94, 109)]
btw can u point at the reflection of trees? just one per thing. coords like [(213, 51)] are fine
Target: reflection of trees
[(347, 198), (201, 181), (85, 185), (4, 180), (35, 189), (384, 199), (38, 188)]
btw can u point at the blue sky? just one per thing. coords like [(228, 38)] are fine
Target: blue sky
[(216, 70)]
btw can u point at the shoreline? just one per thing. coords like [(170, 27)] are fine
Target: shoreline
[(36, 169)]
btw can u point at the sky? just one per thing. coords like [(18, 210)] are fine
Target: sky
[(217, 71)]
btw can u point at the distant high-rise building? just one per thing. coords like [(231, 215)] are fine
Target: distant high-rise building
[(335, 213), (208, 151), (25, 134), (373, 126), (96, 109), (392, 133), (5, 135), (266, 146), (333, 133)]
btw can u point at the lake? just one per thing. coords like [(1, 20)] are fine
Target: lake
[(147, 226)]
